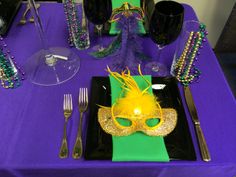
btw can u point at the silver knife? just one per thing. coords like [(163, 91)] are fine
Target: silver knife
[(200, 136)]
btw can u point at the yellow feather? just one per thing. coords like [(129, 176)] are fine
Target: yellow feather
[(135, 101)]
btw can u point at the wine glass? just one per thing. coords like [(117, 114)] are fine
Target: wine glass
[(165, 26), (98, 12), (49, 66)]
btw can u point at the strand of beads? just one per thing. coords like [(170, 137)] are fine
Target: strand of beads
[(77, 37), (71, 19), (11, 74), (181, 61), (185, 69)]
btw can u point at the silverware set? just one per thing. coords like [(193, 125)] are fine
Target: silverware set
[(68, 109), (82, 107), (23, 19)]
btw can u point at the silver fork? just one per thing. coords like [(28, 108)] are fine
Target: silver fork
[(83, 104), (67, 108)]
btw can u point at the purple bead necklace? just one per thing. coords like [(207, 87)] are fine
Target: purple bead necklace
[(77, 37), (185, 69)]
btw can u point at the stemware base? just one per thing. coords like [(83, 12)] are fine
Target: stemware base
[(62, 69)]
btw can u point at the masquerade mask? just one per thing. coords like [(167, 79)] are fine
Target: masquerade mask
[(111, 125), (138, 108), (127, 10)]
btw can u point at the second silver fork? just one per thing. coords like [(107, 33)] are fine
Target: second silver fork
[(83, 104)]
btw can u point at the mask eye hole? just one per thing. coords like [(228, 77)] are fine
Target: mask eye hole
[(124, 122), (152, 122)]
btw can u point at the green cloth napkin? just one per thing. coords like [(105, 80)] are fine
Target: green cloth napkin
[(137, 146), (118, 3)]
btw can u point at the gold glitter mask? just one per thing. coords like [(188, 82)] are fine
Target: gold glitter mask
[(164, 127), (137, 107)]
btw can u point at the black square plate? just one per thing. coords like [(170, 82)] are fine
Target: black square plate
[(99, 144)]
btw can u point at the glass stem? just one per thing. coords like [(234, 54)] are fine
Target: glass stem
[(156, 68), (49, 59), (159, 47), (99, 28)]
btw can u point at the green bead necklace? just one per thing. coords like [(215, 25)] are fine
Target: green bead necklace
[(11, 74)]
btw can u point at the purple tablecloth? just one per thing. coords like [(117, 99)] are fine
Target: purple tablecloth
[(31, 117)]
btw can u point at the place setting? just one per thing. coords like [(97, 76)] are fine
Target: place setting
[(118, 130), (135, 110)]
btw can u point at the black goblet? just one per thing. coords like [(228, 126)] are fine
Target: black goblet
[(98, 12), (165, 26)]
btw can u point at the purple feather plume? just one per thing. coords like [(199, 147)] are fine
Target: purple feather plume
[(127, 55)]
